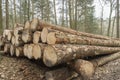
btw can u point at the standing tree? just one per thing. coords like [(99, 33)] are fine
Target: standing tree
[(54, 2), (117, 22), (7, 14), (1, 16)]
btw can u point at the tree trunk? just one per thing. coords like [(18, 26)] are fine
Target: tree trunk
[(7, 14), (15, 18), (37, 37), (59, 37), (55, 11), (1, 20), (117, 21), (60, 53)]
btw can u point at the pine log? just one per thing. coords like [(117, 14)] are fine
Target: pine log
[(1, 41), (60, 53), (17, 30), (7, 34), (44, 34), (19, 51), (60, 74), (27, 25), (18, 40), (39, 25), (7, 48), (37, 51), (13, 40), (30, 51), (25, 49), (37, 37), (60, 37), (27, 36), (12, 50), (18, 25), (87, 68)]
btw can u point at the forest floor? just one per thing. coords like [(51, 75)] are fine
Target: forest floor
[(12, 68)]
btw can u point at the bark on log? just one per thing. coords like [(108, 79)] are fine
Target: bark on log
[(37, 37), (18, 25), (7, 48), (27, 36), (60, 37), (60, 53), (87, 68), (60, 74), (27, 25), (19, 51), (12, 50), (17, 30), (39, 25)]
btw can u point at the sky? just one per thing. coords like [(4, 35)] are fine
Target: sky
[(98, 10)]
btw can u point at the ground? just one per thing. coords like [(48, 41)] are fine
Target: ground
[(12, 68)]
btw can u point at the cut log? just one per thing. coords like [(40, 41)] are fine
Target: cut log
[(60, 74), (7, 34), (27, 25), (30, 51), (27, 36), (37, 51), (18, 40), (7, 48), (37, 37), (18, 25), (83, 67), (17, 30), (60, 37), (1, 41), (19, 51), (87, 68), (34, 24), (25, 49), (12, 50), (39, 24), (44, 34), (60, 53), (13, 40)]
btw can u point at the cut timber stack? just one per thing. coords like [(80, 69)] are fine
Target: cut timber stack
[(54, 45)]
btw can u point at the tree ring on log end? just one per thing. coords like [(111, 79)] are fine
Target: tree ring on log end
[(44, 34), (49, 56), (51, 39)]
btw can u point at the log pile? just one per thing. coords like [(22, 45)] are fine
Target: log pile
[(55, 45)]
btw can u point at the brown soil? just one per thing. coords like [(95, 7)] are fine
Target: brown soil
[(12, 68)]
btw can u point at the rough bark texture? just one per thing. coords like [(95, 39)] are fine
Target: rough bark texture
[(60, 37), (37, 24), (60, 53)]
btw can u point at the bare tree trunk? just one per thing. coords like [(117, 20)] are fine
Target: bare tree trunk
[(70, 18), (32, 9), (109, 25), (75, 15), (55, 12), (7, 14), (15, 11), (62, 13), (1, 21), (113, 26), (117, 21)]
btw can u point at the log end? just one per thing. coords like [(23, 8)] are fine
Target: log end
[(85, 68), (37, 51), (49, 56), (44, 34), (34, 24), (51, 39)]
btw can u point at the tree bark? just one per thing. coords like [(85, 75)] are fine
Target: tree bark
[(1, 20), (7, 14), (60, 37), (43, 24), (60, 53)]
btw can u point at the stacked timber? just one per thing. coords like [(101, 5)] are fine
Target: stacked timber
[(54, 45)]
